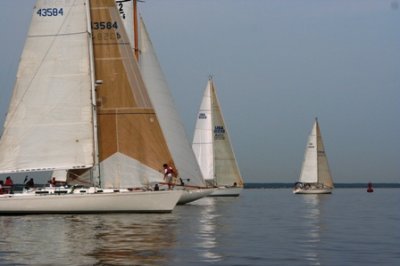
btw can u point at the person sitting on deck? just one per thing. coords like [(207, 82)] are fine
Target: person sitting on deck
[(9, 184), (53, 182), (29, 184)]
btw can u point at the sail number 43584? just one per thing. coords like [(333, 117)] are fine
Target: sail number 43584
[(50, 12)]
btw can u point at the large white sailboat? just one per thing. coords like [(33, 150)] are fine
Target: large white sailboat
[(315, 176), (160, 95), (80, 104), (213, 149)]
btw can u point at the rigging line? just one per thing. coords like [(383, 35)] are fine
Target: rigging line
[(56, 35), (141, 96), (41, 63)]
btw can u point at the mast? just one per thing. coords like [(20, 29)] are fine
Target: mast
[(211, 84), (135, 30), (95, 171)]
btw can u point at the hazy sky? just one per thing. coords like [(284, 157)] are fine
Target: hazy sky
[(277, 64)]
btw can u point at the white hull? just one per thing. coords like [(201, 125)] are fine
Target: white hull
[(313, 191), (103, 202), (190, 195), (226, 192)]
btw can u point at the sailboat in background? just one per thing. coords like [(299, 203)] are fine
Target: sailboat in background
[(315, 176), (160, 95), (107, 135), (213, 149)]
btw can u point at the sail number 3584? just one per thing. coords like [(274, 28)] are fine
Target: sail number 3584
[(102, 25), (50, 12)]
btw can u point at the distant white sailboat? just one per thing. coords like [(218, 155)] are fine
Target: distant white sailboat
[(107, 135), (188, 169), (315, 177), (213, 149)]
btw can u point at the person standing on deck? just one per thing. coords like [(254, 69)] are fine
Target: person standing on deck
[(169, 175)]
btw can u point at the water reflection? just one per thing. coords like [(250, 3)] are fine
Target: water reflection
[(313, 227), (207, 234), (187, 235), (125, 239), (138, 239)]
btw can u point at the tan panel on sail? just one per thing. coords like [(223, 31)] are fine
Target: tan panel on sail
[(127, 122)]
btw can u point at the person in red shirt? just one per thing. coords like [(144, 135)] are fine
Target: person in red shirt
[(169, 175), (8, 185)]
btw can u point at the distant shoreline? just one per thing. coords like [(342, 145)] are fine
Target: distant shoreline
[(337, 185)]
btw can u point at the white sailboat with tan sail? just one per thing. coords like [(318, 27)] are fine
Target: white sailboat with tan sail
[(213, 149), (160, 95), (80, 104), (315, 176)]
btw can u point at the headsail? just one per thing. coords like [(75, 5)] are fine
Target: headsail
[(324, 173), (167, 113), (125, 9), (49, 122)]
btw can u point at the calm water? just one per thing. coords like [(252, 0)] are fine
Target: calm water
[(262, 227)]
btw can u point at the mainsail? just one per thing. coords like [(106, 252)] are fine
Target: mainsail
[(211, 142), (49, 122), (315, 167), (203, 143)]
